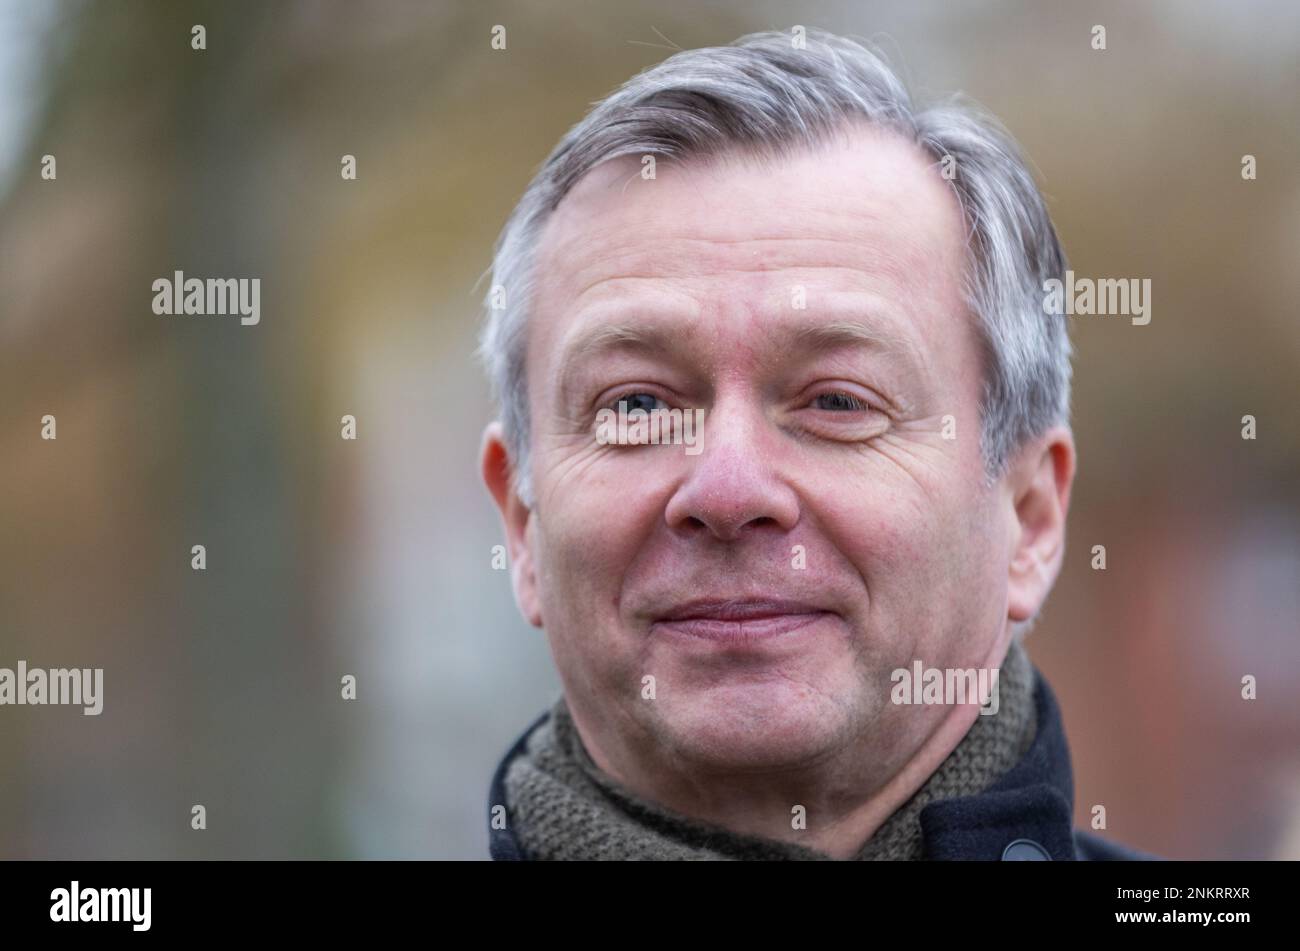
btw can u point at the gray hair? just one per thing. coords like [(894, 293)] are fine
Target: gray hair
[(768, 93)]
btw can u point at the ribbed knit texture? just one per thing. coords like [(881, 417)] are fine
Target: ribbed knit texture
[(563, 807)]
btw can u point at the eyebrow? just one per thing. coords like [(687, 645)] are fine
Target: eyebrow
[(836, 334), (648, 336), (652, 336)]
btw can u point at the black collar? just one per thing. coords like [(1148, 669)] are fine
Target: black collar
[(1032, 805), (502, 844)]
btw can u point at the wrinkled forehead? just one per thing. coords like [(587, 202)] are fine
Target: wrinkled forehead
[(867, 210)]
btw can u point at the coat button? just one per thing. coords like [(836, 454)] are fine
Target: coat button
[(1025, 850)]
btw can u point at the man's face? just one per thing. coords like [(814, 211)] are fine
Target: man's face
[(835, 526)]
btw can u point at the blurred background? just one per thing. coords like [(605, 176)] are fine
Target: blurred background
[(372, 558)]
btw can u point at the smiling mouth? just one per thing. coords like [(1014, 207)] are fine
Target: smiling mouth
[(740, 621)]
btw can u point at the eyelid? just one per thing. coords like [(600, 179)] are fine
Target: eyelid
[(610, 398), (869, 398), (853, 425), (855, 402)]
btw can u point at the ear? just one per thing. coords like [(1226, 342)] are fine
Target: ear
[(497, 468), (1039, 479)]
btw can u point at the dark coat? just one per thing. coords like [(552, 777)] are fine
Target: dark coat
[(1026, 815)]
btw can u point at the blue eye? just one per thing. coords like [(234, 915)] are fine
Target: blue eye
[(642, 401), (840, 402)]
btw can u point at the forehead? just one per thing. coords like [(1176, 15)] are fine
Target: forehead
[(867, 212)]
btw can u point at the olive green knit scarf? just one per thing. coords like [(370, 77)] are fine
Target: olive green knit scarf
[(562, 806)]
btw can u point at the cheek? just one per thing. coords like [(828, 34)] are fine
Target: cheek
[(591, 534), (594, 522), (888, 536), (919, 551)]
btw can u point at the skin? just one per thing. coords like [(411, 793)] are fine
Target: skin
[(827, 442)]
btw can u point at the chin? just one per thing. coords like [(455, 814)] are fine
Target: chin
[(757, 725)]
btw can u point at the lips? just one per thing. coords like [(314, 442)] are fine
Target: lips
[(740, 620)]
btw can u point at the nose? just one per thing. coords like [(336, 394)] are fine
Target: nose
[(733, 485)]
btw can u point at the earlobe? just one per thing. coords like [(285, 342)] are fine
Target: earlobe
[(1041, 479), (516, 517)]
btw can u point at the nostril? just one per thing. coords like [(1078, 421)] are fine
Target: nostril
[(728, 503)]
